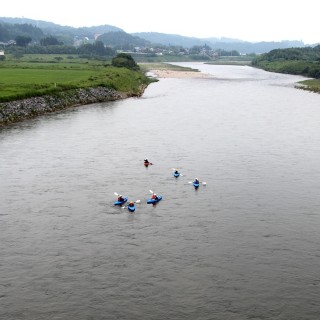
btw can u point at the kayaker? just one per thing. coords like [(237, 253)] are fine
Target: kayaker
[(120, 198), (154, 196), (176, 172), (196, 180), (131, 204), (146, 161)]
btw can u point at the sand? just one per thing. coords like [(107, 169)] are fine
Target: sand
[(178, 74)]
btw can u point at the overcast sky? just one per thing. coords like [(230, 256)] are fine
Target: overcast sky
[(250, 20)]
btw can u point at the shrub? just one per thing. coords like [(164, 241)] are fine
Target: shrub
[(124, 60)]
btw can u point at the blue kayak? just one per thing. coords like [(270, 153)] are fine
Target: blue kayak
[(176, 174), (132, 209), (196, 185), (118, 203), (154, 200)]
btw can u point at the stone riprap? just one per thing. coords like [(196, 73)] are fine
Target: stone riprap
[(19, 110)]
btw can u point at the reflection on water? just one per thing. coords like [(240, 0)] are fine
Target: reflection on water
[(244, 246)]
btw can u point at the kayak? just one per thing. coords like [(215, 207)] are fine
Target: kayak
[(176, 175), (132, 209), (118, 203), (154, 200), (196, 185)]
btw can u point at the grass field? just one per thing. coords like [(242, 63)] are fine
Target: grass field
[(35, 75), (311, 85), (236, 60)]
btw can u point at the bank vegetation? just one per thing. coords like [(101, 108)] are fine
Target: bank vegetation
[(297, 61), (66, 80)]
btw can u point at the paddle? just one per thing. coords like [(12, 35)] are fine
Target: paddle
[(116, 194), (178, 172), (204, 183), (151, 192), (146, 163), (137, 201)]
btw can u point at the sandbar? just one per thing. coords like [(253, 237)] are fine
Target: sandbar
[(178, 74)]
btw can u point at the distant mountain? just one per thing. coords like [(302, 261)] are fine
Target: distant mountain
[(63, 33), (178, 40), (169, 39), (53, 27), (222, 39), (217, 43), (121, 39), (255, 47)]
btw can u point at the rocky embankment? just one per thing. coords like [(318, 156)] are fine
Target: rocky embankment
[(15, 111)]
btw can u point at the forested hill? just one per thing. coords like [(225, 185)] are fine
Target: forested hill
[(217, 43), (170, 39), (299, 61), (122, 40), (11, 31), (11, 27)]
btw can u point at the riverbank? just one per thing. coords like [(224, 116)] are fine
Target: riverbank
[(309, 85), (169, 70), (39, 84), (15, 111), (22, 109)]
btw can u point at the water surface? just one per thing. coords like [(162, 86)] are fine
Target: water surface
[(245, 246)]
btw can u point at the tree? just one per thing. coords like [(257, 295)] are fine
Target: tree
[(195, 50), (23, 41), (124, 60), (96, 49), (49, 41), (4, 33), (99, 48)]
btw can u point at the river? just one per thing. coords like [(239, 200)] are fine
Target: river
[(244, 246)]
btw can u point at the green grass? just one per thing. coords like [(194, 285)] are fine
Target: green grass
[(36, 75), (297, 67), (151, 58), (311, 85), (236, 60)]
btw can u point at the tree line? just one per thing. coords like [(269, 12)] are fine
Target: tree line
[(298, 61), (11, 31), (31, 39)]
